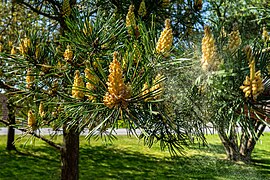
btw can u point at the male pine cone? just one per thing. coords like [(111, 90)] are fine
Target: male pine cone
[(234, 41), (165, 40), (31, 119), (118, 92), (252, 85), (29, 79), (91, 84), (210, 57), (142, 9), (41, 109), (130, 18), (78, 84), (68, 54)]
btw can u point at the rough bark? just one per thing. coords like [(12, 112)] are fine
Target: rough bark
[(11, 130), (70, 154), (230, 147), (8, 113), (240, 151), (248, 142)]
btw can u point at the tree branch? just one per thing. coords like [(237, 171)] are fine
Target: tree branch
[(4, 122), (7, 87), (56, 6), (38, 11), (51, 143)]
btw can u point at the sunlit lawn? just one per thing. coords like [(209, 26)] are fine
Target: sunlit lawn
[(127, 158)]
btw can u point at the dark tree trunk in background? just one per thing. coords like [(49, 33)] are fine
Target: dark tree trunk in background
[(11, 130), (70, 154), (8, 113)]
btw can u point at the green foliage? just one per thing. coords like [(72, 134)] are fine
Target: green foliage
[(249, 14), (222, 90)]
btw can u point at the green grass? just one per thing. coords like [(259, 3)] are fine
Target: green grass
[(127, 158)]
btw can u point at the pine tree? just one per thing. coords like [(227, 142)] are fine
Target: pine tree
[(54, 63)]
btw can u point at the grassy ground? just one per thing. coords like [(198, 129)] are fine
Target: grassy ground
[(127, 158)]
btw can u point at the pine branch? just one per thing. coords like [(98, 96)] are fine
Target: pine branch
[(39, 11), (49, 142), (7, 87), (4, 122)]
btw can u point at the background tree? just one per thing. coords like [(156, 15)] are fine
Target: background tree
[(235, 97), (13, 18)]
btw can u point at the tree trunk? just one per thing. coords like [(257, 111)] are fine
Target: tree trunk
[(70, 154), (11, 131), (242, 151), (230, 147), (248, 142)]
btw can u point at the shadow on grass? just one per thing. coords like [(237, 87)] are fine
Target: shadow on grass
[(261, 160), (37, 162), (111, 162), (104, 162)]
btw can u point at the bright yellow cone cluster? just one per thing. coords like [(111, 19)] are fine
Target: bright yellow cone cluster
[(24, 46), (78, 84), (222, 33), (66, 10), (41, 111), (37, 52), (130, 18), (265, 35), (157, 86), (118, 92), (90, 85), (253, 84), (29, 79), (68, 54), (145, 90), (13, 50), (234, 39), (142, 9), (31, 119), (10, 43), (156, 89), (165, 40), (210, 58)]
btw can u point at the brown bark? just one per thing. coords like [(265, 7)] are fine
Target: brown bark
[(248, 142), (70, 154), (230, 147), (242, 151), (11, 131)]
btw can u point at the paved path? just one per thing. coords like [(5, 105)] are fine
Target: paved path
[(48, 131)]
